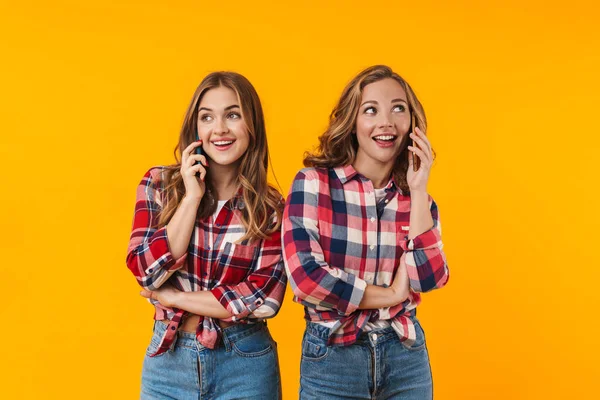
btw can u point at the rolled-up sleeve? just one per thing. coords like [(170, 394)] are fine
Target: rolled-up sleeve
[(424, 257), (149, 257), (260, 295)]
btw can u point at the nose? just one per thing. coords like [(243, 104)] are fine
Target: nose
[(220, 127), (384, 120)]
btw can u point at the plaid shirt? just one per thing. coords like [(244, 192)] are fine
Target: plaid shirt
[(248, 279), (337, 240)]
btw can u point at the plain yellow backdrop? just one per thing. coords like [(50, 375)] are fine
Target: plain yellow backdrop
[(93, 94)]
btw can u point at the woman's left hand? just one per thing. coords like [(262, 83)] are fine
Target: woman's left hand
[(167, 295), (417, 180)]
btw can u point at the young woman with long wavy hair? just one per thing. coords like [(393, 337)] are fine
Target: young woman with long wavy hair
[(362, 241), (206, 248)]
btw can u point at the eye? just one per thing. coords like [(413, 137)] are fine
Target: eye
[(399, 108), (206, 118), (234, 115), (370, 110)]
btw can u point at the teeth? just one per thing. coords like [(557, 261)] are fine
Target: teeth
[(223, 143), (385, 137)]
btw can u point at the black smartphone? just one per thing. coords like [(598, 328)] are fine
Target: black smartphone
[(198, 150), (416, 160)]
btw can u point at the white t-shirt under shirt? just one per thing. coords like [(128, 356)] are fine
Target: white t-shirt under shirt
[(379, 194), (220, 205)]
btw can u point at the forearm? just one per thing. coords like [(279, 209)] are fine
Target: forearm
[(201, 303), (380, 297), (181, 225), (420, 215)]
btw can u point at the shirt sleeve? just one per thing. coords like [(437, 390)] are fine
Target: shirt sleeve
[(260, 295), (315, 283), (149, 257), (424, 258)]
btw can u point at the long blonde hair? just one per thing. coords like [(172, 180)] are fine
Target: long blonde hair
[(338, 145), (261, 214)]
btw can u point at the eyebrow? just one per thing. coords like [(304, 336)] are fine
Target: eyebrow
[(226, 108), (393, 101)]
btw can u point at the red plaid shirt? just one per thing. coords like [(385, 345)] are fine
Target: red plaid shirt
[(248, 279), (337, 239)]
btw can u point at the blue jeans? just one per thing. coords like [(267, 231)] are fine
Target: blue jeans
[(377, 366), (243, 366)]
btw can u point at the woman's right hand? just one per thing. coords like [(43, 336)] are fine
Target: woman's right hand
[(400, 285), (194, 185)]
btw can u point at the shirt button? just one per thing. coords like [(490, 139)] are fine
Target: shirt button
[(372, 247), (372, 219)]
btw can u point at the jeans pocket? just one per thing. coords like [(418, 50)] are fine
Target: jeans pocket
[(419, 343), (314, 348), (255, 344), (157, 335), (153, 347)]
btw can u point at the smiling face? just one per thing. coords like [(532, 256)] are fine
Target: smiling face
[(383, 121), (221, 127)]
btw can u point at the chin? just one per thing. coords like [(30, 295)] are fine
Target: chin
[(385, 158), (225, 160)]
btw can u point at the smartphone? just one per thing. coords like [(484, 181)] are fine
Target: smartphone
[(198, 150), (416, 160)]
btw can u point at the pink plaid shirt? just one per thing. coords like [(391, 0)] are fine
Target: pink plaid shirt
[(337, 239)]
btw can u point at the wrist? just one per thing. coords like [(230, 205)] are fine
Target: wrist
[(418, 193), (193, 200)]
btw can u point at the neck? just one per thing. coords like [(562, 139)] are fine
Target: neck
[(379, 173), (224, 180)]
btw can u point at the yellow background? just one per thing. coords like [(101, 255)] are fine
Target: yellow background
[(93, 94)]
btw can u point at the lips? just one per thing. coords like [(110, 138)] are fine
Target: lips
[(223, 144), (385, 140)]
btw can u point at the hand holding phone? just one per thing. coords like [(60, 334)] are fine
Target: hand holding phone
[(192, 172)]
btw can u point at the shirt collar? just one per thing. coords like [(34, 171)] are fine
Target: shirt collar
[(347, 173), (236, 202)]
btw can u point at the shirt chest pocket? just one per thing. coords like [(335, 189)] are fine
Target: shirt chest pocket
[(236, 262)]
